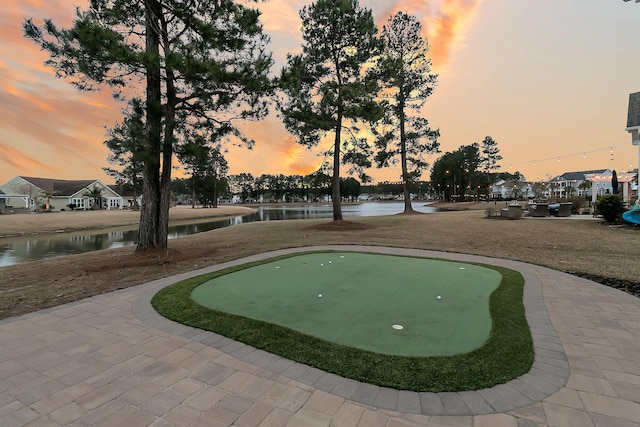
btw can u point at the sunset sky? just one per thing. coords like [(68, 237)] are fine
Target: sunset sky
[(549, 80)]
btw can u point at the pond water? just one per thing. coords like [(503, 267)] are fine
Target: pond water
[(33, 248)]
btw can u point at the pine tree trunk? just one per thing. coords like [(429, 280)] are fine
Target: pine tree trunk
[(215, 190), (165, 179), (335, 181), (163, 214), (167, 145), (403, 161), (135, 190), (147, 232)]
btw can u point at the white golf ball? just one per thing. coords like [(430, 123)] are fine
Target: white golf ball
[(438, 297), (321, 265), (330, 262), (319, 295)]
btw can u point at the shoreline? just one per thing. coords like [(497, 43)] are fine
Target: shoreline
[(52, 223), (14, 226)]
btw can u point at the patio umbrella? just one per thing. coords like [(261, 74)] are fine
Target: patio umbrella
[(614, 182)]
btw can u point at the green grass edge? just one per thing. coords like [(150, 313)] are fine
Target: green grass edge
[(507, 354)]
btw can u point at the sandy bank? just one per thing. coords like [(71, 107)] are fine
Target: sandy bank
[(67, 221)]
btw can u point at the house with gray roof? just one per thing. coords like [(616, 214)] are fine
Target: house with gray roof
[(633, 117), (59, 193), (568, 184)]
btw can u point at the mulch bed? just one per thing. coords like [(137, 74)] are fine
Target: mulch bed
[(627, 286)]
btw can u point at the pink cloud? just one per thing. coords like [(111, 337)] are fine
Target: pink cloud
[(42, 117), (282, 16), (47, 124)]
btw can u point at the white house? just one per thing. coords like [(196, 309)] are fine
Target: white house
[(32, 192), (504, 190), (627, 182), (568, 184)]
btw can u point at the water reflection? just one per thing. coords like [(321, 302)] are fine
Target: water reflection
[(38, 247), (268, 213), (15, 251)]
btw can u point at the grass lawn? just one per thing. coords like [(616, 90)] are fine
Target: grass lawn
[(506, 353), (582, 247)]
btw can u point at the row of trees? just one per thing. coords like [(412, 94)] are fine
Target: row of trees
[(280, 187), (203, 67), (469, 170), (266, 187), (277, 188)]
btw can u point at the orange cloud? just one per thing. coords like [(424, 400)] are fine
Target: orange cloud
[(275, 152), (444, 23), (294, 154), (61, 118), (449, 28), (18, 160)]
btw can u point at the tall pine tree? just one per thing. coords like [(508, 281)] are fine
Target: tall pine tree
[(326, 85), (197, 63), (490, 155), (405, 72)]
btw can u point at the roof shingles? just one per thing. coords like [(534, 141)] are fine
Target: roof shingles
[(59, 187), (633, 116)]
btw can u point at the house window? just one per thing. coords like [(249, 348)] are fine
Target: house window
[(78, 202)]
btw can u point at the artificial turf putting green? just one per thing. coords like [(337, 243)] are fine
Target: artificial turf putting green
[(356, 299), (506, 354)]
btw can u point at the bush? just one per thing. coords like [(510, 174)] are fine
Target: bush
[(610, 207)]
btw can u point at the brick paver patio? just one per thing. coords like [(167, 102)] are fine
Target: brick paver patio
[(110, 360)]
